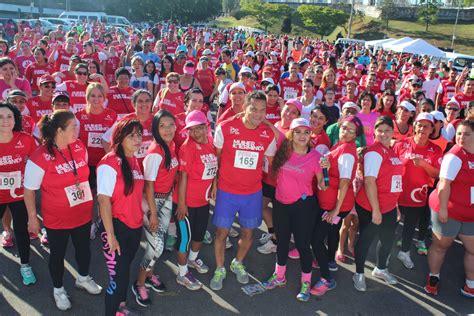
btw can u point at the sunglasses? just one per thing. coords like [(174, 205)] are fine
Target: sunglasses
[(452, 109), (246, 75), (81, 73), (49, 86), (173, 81)]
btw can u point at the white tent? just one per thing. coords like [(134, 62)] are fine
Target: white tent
[(402, 40), (376, 44), (418, 47)]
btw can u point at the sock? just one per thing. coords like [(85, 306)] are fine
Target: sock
[(236, 261), (58, 289), (172, 229), (24, 265), (305, 277), (193, 255), (182, 270), (271, 230), (435, 275), (81, 278), (280, 271), (470, 283)]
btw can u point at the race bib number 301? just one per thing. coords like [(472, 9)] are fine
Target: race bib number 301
[(246, 160), (77, 194)]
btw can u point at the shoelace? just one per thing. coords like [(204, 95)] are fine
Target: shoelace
[(190, 277), (219, 274), (143, 292), (304, 288), (240, 268), (155, 280), (199, 262)]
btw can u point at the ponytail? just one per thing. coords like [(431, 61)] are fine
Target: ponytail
[(49, 125)]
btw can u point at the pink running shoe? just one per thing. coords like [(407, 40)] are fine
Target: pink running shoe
[(294, 254)]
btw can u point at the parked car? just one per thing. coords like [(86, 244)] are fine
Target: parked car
[(57, 21)]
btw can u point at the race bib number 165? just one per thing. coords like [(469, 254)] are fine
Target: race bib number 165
[(246, 160)]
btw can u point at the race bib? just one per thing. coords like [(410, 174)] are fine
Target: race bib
[(94, 140), (63, 67), (246, 160), (77, 107), (142, 150), (77, 194), (210, 170), (396, 184), (10, 180), (290, 94)]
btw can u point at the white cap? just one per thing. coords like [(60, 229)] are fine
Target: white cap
[(245, 70), (433, 66), (207, 51), (351, 105), (269, 80), (423, 116), (407, 105), (300, 122), (454, 101), (250, 53), (237, 85), (274, 53), (437, 115)]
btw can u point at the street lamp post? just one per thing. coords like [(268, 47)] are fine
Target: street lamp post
[(455, 24), (349, 31)]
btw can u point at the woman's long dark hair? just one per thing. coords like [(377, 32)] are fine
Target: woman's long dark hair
[(381, 106), (122, 130), (163, 70), (49, 125), (156, 135), (16, 115)]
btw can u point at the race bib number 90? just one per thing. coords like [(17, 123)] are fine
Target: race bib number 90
[(246, 160), (396, 184), (94, 140), (10, 180), (77, 194)]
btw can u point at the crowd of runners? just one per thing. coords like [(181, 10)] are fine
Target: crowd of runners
[(131, 137)]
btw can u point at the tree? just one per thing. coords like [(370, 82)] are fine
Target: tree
[(323, 19), (286, 26), (265, 13), (388, 11), (427, 13), (230, 6)]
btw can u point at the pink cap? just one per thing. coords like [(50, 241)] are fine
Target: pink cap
[(296, 103), (423, 116), (359, 67), (194, 118), (188, 70), (299, 122), (46, 78)]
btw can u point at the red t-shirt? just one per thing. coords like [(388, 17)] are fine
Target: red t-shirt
[(199, 161), (458, 167), (206, 79), (273, 114), (13, 157), (155, 169), (110, 182), (242, 156), (62, 62), (34, 72), (290, 90), (27, 123), (66, 200), (172, 102), (111, 65), (321, 142), (343, 164), (446, 90), (120, 101), (415, 180), (77, 95), (181, 133), (383, 164), (92, 127), (38, 107), (464, 100)]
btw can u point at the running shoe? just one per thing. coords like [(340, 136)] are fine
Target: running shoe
[(384, 275), (467, 291), (340, 257), (421, 248), (123, 310), (7, 241), (233, 232), (228, 244), (264, 238), (322, 286), (315, 264), (44, 237), (304, 293), (88, 284), (432, 285), (294, 254), (33, 236), (141, 295), (27, 275), (189, 281), (359, 282), (399, 243), (333, 266), (239, 269), (207, 238), (154, 283), (199, 265), (267, 248), (170, 242), (274, 282), (61, 298), (405, 258), (218, 278)]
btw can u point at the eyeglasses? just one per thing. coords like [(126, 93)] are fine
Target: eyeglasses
[(81, 73), (319, 71), (173, 81), (246, 75), (452, 109)]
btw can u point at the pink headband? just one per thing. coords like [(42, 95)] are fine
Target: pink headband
[(352, 119)]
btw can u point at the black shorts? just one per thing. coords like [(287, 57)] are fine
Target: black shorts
[(268, 190), (93, 177)]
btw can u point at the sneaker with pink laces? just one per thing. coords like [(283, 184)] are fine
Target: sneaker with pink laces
[(33, 236), (7, 241), (294, 254), (155, 284), (322, 286), (315, 264), (141, 295)]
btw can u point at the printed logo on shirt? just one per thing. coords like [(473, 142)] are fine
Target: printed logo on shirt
[(108, 118), (243, 144), (413, 156), (418, 195), (471, 164), (19, 144), (48, 157), (137, 175), (94, 127), (9, 160), (66, 167), (174, 163), (396, 161), (264, 134), (234, 131)]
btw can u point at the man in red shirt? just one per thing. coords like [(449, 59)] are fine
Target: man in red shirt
[(344, 78), (241, 143), (467, 95), (447, 89), (291, 87)]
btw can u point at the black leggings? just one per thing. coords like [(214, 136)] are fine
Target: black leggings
[(192, 227), (58, 240), (20, 228), (368, 232), (297, 218), (411, 216), (322, 230)]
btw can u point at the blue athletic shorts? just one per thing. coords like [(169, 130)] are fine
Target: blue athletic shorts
[(249, 207)]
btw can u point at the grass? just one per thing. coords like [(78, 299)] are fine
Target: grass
[(370, 28)]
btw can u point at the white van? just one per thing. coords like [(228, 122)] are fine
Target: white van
[(117, 20), (82, 15)]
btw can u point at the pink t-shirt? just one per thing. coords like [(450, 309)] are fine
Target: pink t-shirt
[(21, 84), (295, 177), (368, 121)]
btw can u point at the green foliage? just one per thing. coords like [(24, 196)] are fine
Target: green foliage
[(265, 13), (323, 19), (388, 11), (428, 13), (230, 6)]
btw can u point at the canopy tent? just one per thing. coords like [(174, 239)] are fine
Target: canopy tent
[(402, 40), (376, 44), (418, 47)]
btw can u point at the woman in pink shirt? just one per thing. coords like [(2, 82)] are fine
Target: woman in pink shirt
[(367, 117), (295, 165)]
